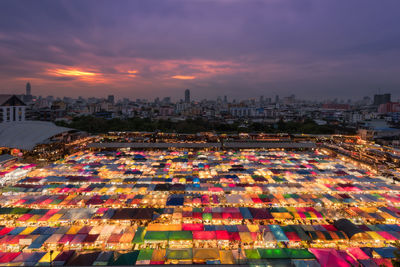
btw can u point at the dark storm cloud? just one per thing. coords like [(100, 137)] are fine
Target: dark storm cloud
[(310, 48)]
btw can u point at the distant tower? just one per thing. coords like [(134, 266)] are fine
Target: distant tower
[(187, 96), (28, 89)]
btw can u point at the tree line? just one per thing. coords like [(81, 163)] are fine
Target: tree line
[(97, 125)]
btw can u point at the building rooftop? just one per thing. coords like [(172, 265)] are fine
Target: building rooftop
[(10, 100), (27, 134)]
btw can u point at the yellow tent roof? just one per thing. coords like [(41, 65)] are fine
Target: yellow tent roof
[(245, 237), (158, 255), (73, 230), (226, 257), (386, 215), (46, 257), (253, 227), (375, 235), (28, 230), (127, 238), (205, 254), (55, 217), (164, 227)]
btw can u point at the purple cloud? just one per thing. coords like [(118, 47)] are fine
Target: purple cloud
[(311, 48)]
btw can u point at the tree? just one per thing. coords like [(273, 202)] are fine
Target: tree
[(396, 260)]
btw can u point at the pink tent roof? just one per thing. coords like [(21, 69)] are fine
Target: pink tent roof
[(78, 238), (9, 256), (222, 235), (386, 235), (383, 262), (234, 236), (192, 227), (66, 238), (329, 257), (330, 227), (6, 230), (24, 217), (357, 253), (348, 258), (85, 229), (293, 236)]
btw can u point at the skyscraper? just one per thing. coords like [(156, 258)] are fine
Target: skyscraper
[(110, 99), (187, 96), (28, 89), (276, 99), (381, 99)]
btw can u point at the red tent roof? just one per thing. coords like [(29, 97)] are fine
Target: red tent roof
[(204, 235)]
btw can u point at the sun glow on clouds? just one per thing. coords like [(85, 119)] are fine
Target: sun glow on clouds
[(83, 75), (183, 77), (132, 73), (72, 72)]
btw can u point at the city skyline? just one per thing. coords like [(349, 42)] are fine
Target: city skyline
[(214, 48), (186, 97)]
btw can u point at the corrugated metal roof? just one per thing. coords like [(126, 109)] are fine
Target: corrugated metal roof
[(4, 158), (27, 134)]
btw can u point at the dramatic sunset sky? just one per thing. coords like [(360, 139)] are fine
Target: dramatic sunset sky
[(315, 49)]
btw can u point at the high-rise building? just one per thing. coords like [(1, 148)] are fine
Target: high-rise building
[(166, 100), (28, 89), (110, 99), (27, 98), (381, 99), (187, 96)]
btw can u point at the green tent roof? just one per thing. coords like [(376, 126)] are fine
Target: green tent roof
[(5, 210), (139, 236), (19, 210), (156, 235), (273, 253), (299, 254), (278, 209), (126, 259), (207, 216), (180, 235), (56, 201), (252, 254), (145, 254), (179, 254)]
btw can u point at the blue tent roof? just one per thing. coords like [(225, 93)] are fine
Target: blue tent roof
[(387, 252)]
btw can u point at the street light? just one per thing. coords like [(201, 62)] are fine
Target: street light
[(51, 258)]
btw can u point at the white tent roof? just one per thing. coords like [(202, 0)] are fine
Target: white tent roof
[(27, 134)]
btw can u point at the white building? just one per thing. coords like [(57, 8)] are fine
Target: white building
[(12, 109)]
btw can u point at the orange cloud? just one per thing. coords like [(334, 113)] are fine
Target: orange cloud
[(72, 72), (132, 73), (183, 77), (84, 75)]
